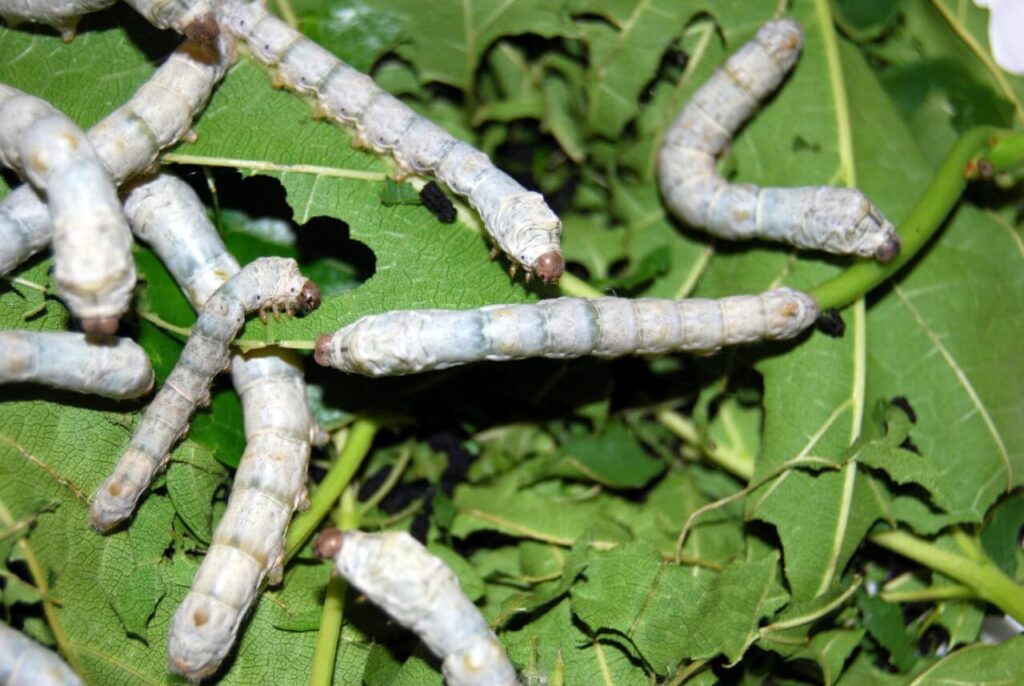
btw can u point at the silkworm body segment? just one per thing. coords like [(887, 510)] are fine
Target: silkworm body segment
[(838, 220), (118, 369), (23, 662), (420, 592), (60, 14), (94, 270), (412, 341), (267, 283), (519, 221)]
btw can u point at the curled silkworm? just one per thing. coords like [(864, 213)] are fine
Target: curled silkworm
[(269, 283), (127, 141), (194, 18), (837, 220), (114, 369), (412, 341), (420, 592), (92, 246), (270, 482), (434, 199), (23, 662), (60, 14), (519, 221)]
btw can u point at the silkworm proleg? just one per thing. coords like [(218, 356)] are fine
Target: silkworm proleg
[(62, 15), (127, 141), (23, 662), (268, 283), (270, 483), (94, 270), (519, 221), (412, 341), (837, 220), (420, 592), (117, 369)]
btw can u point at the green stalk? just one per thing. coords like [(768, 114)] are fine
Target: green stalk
[(981, 575), (326, 650), (360, 438), (1006, 154), (923, 221)]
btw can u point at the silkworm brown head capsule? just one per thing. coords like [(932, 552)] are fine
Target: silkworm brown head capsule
[(100, 326), (328, 544), (322, 354), (203, 30), (309, 298), (888, 250), (550, 266)]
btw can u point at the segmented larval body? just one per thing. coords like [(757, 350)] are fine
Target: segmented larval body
[(420, 592), (116, 369), (92, 246), (837, 220), (194, 18), (62, 15), (23, 662), (519, 221), (267, 283), (127, 141), (412, 341), (271, 479)]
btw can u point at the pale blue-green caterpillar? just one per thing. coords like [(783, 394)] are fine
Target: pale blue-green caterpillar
[(413, 341), (116, 369), (92, 245), (836, 220), (266, 284), (127, 141), (248, 545), (519, 221), (23, 662), (420, 592)]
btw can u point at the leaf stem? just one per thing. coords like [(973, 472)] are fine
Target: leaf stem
[(981, 575), (732, 461), (928, 594), (357, 445), (923, 221), (389, 483), (326, 650)]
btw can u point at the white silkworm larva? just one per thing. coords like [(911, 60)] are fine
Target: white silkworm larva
[(92, 245), (837, 220), (117, 369), (412, 341), (23, 662), (194, 18), (268, 283), (420, 592), (270, 483), (60, 14), (519, 221), (127, 141)]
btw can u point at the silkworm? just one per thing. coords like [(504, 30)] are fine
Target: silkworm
[(92, 246), (420, 592), (60, 14), (837, 220), (519, 221), (434, 199), (117, 369), (23, 662), (194, 18), (268, 283), (270, 482), (127, 141), (412, 341)]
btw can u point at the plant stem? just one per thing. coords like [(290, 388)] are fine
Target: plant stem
[(923, 221), (982, 575), (360, 438), (733, 462), (1006, 152), (326, 650)]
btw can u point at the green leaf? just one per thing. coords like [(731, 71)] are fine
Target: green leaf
[(615, 459), (884, 621), (1001, 532), (978, 664), (192, 476)]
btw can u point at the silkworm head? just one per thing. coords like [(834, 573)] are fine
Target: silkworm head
[(550, 266), (309, 297), (203, 29), (322, 355), (888, 250), (328, 544), (99, 326)]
